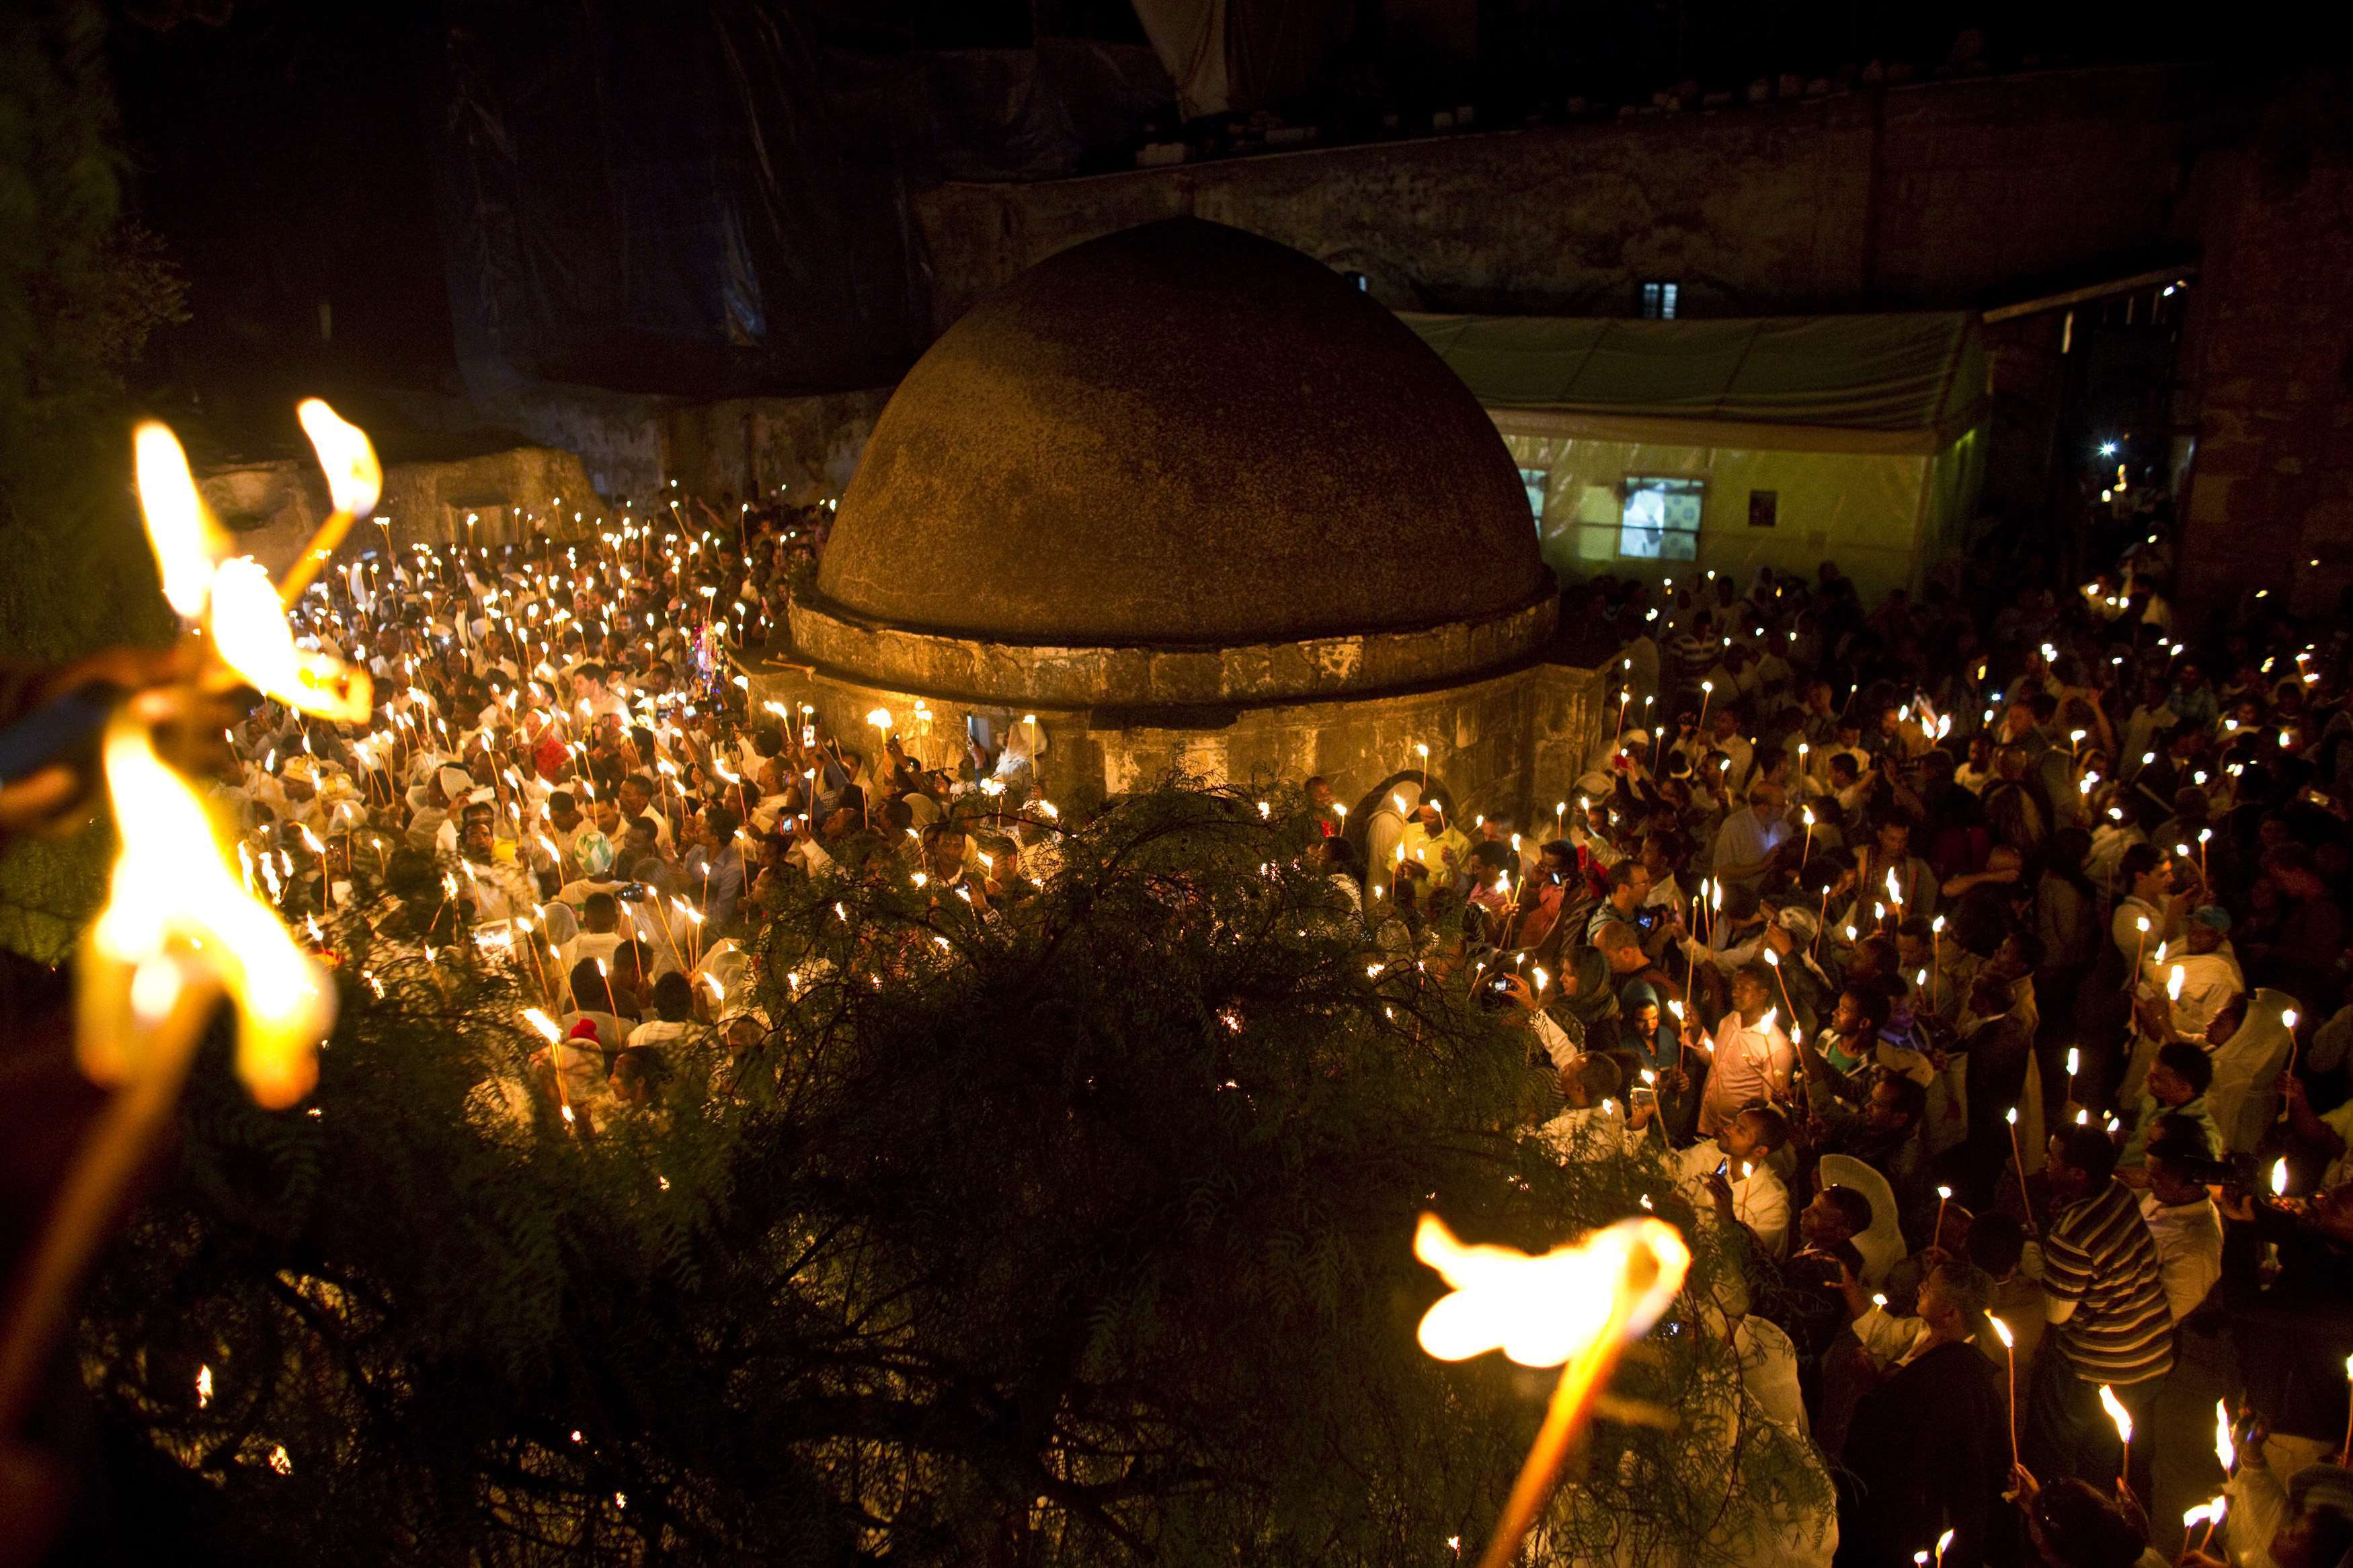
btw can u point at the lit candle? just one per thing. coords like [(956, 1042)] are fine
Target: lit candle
[(2287, 1022), (2009, 1354), (2019, 1159), (1577, 1307), (2122, 1419)]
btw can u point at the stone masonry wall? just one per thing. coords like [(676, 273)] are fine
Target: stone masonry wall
[(2271, 369), (1913, 198), (1497, 745), (798, 450)]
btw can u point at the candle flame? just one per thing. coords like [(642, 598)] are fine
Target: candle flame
[(2001, 1332), (2173, 983), (355, 478), (2224, 1449), (2117, 1413), (251, 633), (236, 597), (1540, 1311), (183, 539), (174, 911)]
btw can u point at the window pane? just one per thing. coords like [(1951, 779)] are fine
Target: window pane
[(1661, 519)]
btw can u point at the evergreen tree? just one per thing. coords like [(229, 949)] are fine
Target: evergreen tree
[(1078, 1236)]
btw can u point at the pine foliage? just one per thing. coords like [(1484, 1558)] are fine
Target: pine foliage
[(1079, 1236)]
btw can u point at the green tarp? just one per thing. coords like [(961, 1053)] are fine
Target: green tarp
[(1888, 384)]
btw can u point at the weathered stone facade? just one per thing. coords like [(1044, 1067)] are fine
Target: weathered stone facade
[(1927, 196), (2268, 372), (272, 508), (1169, 676), (1513, 743), (797, 450)]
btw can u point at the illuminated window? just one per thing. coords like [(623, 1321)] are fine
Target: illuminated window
[(1659, 301), (1660, 519), (1534, 481)]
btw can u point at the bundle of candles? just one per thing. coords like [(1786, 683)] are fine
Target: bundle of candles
[(179, 928)]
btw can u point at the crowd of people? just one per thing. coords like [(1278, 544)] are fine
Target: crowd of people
[(1975, 963)]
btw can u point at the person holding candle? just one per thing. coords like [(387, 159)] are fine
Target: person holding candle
[(1747, 843), (2176, 1088), (1735, 1172), (1842, 1058), (713, 867), (1749, 1055), (2150, 916), (2294, 1335), (1435, 844), (1927, 1448), (1889, 869), (2299, 1518), (2326, 1139), (1995, 1033), (2109, 1322), (2072, 1523), (2182, 1216), (2250, 1039)]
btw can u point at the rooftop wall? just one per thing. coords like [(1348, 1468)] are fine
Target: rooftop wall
[(1934, 195)]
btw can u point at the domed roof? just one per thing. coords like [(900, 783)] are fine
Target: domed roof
[(1181, 434)]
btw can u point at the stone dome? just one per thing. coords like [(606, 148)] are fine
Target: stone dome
[(1180, 436)]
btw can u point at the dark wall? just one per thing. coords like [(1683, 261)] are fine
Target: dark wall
[(2269, 365), (1932, 196)]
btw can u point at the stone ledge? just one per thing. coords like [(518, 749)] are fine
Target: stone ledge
[(1167, 675)]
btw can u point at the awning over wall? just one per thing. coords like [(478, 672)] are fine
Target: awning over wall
[(1879, 384)]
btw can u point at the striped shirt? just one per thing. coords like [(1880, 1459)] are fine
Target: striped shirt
[(2100, 1257), (1691, 657)]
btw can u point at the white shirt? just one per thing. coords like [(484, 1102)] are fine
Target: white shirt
[(1745, 1064), (1890, 1340), (1760, 1199), (2189, 1249), (1581, 1135), (2247, 1067), (2208, 981)]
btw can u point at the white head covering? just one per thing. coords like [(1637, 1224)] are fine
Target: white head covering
[(1883, 1245)]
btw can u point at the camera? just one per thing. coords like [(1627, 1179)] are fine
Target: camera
[(633, 892)]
